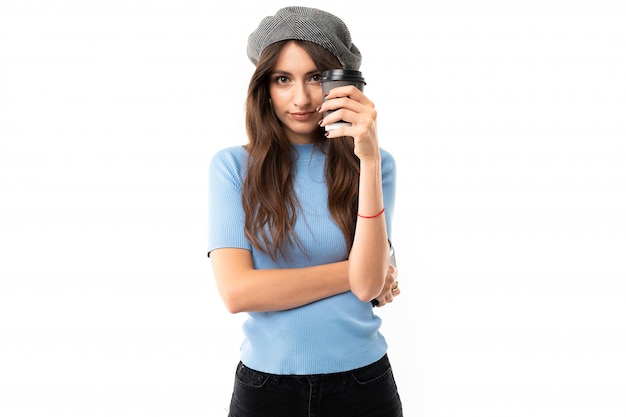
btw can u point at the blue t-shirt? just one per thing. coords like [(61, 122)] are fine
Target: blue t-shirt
[(336, 334)]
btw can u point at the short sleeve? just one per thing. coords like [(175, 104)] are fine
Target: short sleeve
[(226, 214)]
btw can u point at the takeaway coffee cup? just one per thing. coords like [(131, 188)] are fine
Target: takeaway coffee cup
[(337, 78)]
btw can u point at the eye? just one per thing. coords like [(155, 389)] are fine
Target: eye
[(317, 78), (281, 79)]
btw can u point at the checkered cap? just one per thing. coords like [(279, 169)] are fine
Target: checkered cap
[(307, 24)]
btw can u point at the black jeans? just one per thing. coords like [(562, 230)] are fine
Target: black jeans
[(365, 392)]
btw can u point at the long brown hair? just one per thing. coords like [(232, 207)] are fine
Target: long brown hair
[(268, 197)]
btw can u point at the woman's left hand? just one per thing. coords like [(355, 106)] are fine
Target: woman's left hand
[(351, 105)]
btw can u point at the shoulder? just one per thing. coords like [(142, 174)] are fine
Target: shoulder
[(231, 154), (229, 162), (234, 156)]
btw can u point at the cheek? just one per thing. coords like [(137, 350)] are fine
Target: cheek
[(277, 100), (317, 95)]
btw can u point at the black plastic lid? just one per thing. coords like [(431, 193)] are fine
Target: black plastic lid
[(342, 74)]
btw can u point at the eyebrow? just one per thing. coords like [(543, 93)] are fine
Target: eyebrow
[(282, 72)]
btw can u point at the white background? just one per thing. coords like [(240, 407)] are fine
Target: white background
[(507, 120)]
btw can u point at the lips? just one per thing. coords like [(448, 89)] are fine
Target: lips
[(302, 116)]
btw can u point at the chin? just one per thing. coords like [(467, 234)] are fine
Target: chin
[(304, 131)]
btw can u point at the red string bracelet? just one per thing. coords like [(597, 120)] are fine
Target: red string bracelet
[(371, 217)]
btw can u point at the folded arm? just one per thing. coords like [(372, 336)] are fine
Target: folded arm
[(244, 288)]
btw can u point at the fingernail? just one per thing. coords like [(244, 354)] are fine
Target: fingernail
[(318, 109)]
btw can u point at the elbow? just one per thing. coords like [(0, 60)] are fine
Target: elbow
[(232, 301), (367, 293), (233, 308), (365, 297), (367, 275), (366, 286)]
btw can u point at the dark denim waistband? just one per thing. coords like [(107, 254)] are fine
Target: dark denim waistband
[(374, 370)]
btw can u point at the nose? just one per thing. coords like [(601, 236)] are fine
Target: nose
[(302, 95)]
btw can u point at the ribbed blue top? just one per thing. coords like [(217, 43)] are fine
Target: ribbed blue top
[(335, 334)]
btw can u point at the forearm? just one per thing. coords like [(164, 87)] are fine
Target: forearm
[(244, 288), (369, 257)]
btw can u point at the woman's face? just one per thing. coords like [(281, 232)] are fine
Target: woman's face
[(296, 93)]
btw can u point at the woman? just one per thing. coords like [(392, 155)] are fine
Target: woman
[(299, 231)]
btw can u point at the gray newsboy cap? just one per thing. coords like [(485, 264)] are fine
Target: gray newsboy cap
[(307, 24)]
